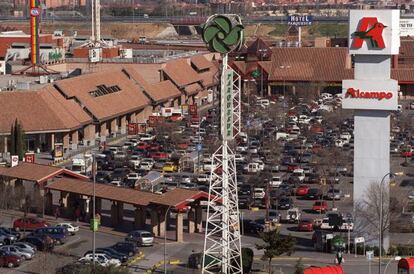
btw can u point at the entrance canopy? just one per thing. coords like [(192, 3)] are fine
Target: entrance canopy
[(37, 173), (178, 198)]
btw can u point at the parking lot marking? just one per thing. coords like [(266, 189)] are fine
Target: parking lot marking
[(137, 258)]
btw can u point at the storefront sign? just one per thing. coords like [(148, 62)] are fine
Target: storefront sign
[(406, 27), (29, 157), (374, 32), (192, 109), (58, 153), (14, 160), (379, 95), (374, 95), (227, 105), (132, 129)]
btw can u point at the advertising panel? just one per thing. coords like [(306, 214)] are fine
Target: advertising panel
[(227, 105), (406, 27), (58, 152), (29, 157), (132, 129), (374, 32), (14, 160), (363, 94), (192, 109)]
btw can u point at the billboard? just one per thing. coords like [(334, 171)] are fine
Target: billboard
[(374, 32), (406, 27), (227, 105), (58, 152), (373, 95), (29, 157), (95, 55), (300, 20)]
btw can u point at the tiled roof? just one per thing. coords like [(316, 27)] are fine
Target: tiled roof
[(211, 77), (158, 92), (36, 173), (176, 197), (192, 89), (38, 111), (181, 73), (308, 64), (200, 62), (403, 75), (108, 106)]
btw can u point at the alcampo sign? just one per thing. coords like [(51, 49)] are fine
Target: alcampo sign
[(356, 93)]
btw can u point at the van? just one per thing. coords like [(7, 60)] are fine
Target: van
[(58, 234)]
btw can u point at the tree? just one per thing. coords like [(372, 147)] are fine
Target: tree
[(275, 245), (367, 212), (17, 140), (299, 267)]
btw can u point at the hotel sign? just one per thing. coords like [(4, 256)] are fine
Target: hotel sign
[(227, 105), (300, 20)]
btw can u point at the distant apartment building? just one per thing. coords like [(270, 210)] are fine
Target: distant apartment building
[(64, 3)]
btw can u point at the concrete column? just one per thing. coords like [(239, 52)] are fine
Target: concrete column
[(179, 227), (114, 127), (114, 214), (139, 218), (88, 206), (89, 134), (64, 196), (191, 217), (49, 203), (133, 118), (199, 219), (52, 141), (176, 104), (183, 97), (161, 223), (103, 131), (154, 222), (5, 139), (120, 208), (140, 117), (75, 139), (269, 91), (66, 139), (123, 124)]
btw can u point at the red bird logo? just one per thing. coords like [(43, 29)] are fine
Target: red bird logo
[(369, 28)]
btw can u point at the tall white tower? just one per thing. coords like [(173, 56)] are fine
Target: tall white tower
[(222, 243)]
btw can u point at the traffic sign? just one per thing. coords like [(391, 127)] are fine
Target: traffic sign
[(370, 255), (199, 147), (359, 240)]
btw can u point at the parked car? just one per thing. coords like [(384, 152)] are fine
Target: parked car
[(259, 193), (11, 231), (71, 228), (6, 238), (305, 225), (14, 250), (25, 246), (128, 248), (109, 252), (170, 167), (58, 234), (276, 181), (302, 190), (314, 194), (140, 237), (293, 215), (41, 243), (9, 260), (28, 224), (274, 216), (285, 203), (334, 194), (320, 206), (100, 258)]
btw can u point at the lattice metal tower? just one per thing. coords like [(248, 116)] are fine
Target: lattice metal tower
[(222, 243)]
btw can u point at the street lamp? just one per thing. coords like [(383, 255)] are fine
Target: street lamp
[(396, 258), (391, 176)]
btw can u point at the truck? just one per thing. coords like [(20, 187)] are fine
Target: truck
[(82, 165)]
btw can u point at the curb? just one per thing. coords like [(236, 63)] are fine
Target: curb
[(137, 258), (160, 263)]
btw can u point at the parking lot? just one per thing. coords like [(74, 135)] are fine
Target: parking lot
[(294, 161)]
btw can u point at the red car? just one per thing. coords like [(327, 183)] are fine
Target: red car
[(305, 225), (28, 224), (143, 146), (159, 156), (302, 190), (154, 147), (320, 206), (6, 259)]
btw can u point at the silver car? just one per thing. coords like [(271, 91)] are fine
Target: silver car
[(25, 247), (14, 250)]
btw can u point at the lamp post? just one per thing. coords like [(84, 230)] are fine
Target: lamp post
[(391, 175), (165, 239)]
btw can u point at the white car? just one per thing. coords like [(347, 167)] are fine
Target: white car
[(276, 181), (144, 165), (71, 228), (135, 160), (133, 176), (239, 158), (259, 193), (101, 258), (146, 137), (203, 178)]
